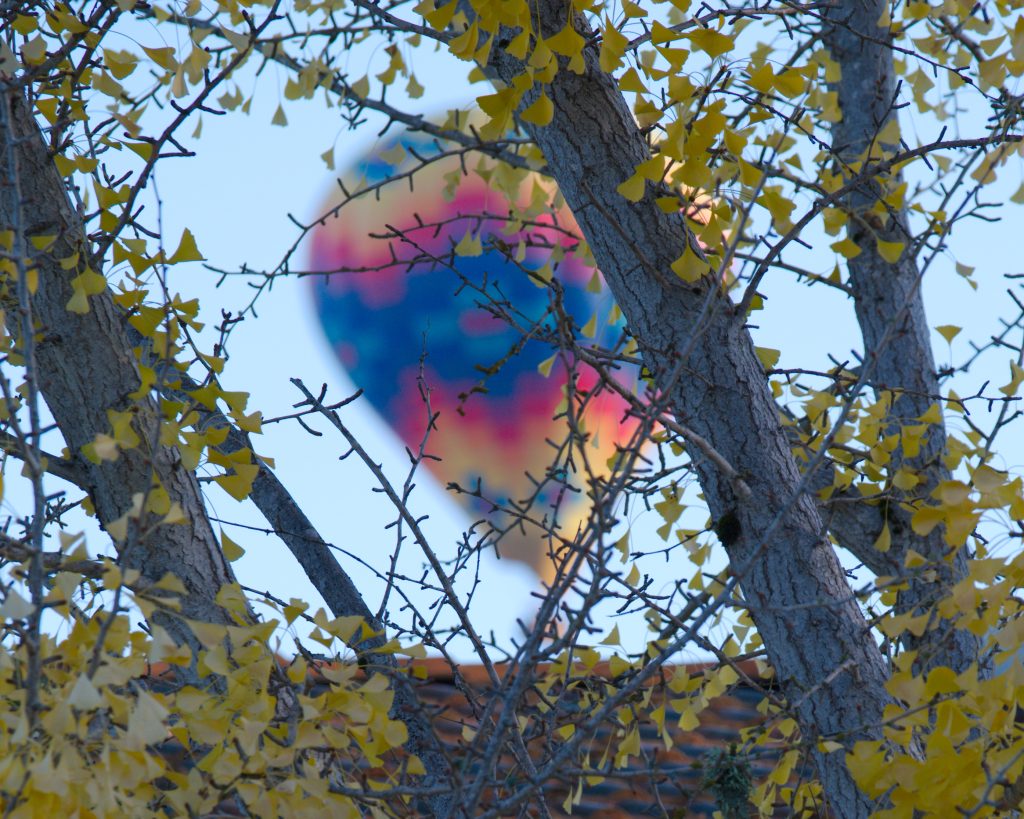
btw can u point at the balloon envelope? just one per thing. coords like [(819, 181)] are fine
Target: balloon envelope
[(398, 316)]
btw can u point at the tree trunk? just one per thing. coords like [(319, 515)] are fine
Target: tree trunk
[(86, 366), (890, 312), (703, 359)]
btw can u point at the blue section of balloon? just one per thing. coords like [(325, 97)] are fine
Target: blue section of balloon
[(387, 301)]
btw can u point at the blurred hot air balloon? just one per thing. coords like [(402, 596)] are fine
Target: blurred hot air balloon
[(390, 306)]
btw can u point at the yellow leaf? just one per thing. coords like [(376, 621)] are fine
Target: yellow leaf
[(175, 514), (652, 169), (15, 607), (846, 248), (632, 188), (238, 486), (790, 83), (145, 723), (612, 639), (143, 149), (25, 23), (905, 480), (690, 267), (34, 51), (361, 87), (105, 84), (712, 43), (760, 79), (613, 47), (469, 245), (941, 680), (294, 608), (688, 720), (163, 57), (630, 81), (767, 356), (590, 329), (84, 695), (1016, 376), (890, 251), (960, 522), (187, 250), (103, 448), (986, 479), (925, 519), (567, 42), (179, 88), (465, 45), (253, 422), (539, 112), (442, 16), (118, 529), (948, 332), (232, 551), (884, 541)]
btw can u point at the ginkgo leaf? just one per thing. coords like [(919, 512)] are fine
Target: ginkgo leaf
[(1016, 376), (790, 83), (15, 607), (84, 695), (884, 540), (589, 330), (890, 251), (690, 267), (847, 248), (633, 188), (544, 368), (767, 356), (712, 43), (613, 638), (232, 551), (630, 81), (539, 112), (187, 250), (925, 519), (760, 78), (146, 722), (469, 245)]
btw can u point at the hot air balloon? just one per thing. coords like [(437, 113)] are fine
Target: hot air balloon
[(398, 316)]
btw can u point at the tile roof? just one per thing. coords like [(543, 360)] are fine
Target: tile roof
[(658, 781)]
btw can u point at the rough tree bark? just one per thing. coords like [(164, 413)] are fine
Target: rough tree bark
[(890, 311), (702, 357), (87, 366)]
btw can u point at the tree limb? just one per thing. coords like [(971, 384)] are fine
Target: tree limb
[(795, 585)]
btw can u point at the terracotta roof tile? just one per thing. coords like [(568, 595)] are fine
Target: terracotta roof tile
[(656, 782)]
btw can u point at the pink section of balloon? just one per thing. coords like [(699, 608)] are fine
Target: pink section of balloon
[(393, 307)]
